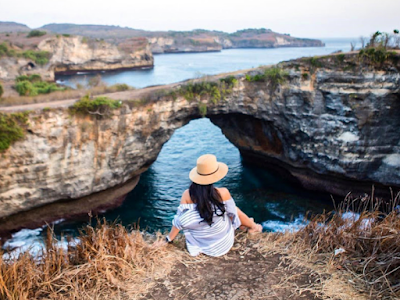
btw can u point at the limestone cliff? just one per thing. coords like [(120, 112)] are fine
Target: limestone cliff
[(204, 41), (198, 40), (332, 125), (71, 54), (172, 45)]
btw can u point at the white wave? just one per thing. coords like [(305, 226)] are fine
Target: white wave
[(281, 226), (30, 240), (22, 241), (273, 209)]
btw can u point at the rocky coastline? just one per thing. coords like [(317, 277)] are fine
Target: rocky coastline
[(331, 125), (198, 40)]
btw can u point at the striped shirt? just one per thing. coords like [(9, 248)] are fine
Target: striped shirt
[(214, 240)]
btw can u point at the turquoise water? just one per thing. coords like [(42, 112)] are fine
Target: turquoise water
[(259, 193), (169, 68)]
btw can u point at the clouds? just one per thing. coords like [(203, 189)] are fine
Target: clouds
[(303, 18)]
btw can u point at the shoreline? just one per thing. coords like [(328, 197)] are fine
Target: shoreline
[(97, 71)]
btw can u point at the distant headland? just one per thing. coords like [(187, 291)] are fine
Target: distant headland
[(198, 40)]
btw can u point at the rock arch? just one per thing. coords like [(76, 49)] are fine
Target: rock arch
[(325, 132)]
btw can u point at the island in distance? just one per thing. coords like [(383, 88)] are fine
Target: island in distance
[(197, 40)]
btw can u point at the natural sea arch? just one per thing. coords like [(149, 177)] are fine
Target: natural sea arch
[(266, 196)]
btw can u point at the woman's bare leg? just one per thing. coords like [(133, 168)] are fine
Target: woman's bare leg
[(248, 222)]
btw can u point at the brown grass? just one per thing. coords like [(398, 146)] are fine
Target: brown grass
[(60, 95), (108, 262), (371, 261)]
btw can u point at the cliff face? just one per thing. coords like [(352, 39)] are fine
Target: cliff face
[(332, 128), (170, 45), (210, 41), (73, 54), (198, 40), (77, 53)]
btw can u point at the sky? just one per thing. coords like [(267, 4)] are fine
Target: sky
[(301, 18)]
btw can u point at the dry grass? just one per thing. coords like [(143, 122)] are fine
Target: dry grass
[(62, 95), (368, 268), (107, 262)]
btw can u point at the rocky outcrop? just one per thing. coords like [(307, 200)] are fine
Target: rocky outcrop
[(209, 42), (75, 53), (198, 40), (170, 45), (332, 125)]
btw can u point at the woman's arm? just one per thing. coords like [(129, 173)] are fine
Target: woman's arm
[(173, 233), (248, 222), (244, 219), (185, 199)]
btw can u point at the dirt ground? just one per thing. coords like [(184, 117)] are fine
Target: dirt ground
[(243, 273)]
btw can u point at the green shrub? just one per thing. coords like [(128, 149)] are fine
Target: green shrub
[(230, 80), (30, 78), (39, 57), (25, 88), (340, 58), (192, 91), (377, 56), (33, 86), (35, 33), (120, 87), (11, 128), (203, 109), (1, 90), (99, 106), (5, 51), (304, 76), (273, 76), (66, 35), (315, 62)]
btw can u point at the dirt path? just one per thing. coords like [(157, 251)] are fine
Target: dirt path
[(123, 96), (244, 273)]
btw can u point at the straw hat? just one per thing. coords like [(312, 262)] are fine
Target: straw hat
[(208, 170)]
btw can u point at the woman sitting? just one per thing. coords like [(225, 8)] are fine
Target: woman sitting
[(207, 215)]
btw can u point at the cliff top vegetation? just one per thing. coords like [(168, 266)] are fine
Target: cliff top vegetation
[(39, 57)]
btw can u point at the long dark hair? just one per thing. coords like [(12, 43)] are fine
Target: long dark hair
[(208, 201)]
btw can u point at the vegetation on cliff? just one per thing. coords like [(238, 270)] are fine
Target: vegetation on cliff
[(12, 128), (65, 93), (1, 90), (213, 90), (274, 77), (33, 85), (99, 106), (39, 57), (36, 33)]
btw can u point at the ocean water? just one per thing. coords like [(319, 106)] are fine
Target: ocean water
[(274, 203), (169, 68)]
